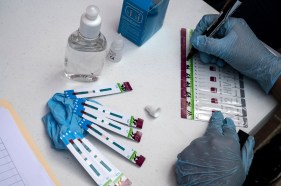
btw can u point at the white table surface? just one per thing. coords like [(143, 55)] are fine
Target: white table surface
[(33, 37)]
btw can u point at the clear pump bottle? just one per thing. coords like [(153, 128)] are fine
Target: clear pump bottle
[(86, 48)]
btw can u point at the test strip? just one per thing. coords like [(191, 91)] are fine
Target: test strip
[(215, 81), (211, 106), (219, 81), (221, 90), (108, 168), (205, 112), (109, 113), (219, 99), (90, 166), (98, 91), (240, 121), (110, 141), (109, 124), (225, 72)]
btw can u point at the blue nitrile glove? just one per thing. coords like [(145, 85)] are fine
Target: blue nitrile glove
[(60, 119), (215, 158), (236, 44)]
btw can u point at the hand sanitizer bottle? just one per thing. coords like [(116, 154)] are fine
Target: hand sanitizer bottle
[(85, 52)]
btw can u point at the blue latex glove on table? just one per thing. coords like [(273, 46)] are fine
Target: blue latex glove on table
[(236, 44), (61, 119), (215, 158)]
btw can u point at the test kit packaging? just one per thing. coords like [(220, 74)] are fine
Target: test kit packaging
[(141, 19)]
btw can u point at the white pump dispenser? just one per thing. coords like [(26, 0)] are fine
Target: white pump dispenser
[(90, 23)]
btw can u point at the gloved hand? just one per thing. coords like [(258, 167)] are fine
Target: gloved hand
[(236, 44), (61, 119), (215, 158)]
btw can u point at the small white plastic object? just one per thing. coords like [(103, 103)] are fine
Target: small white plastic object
[(154, 112), (115, 51), (90, 22)]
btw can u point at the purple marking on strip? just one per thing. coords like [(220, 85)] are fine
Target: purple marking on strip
[(139, 160), (127, 86), (139, 123)]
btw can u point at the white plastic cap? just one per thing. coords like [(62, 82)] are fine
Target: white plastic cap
[(154, 112), (90, 23), (117, 44)]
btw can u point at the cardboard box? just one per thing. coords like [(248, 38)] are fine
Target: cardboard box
[(141, 19)]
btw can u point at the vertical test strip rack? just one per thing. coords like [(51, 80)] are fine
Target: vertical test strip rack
[(206, 88)]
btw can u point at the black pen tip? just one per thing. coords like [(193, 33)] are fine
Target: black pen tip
[(191, 53), (188, 57)]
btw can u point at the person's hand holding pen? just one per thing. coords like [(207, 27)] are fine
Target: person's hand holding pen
[(228, 9), (236, 44)]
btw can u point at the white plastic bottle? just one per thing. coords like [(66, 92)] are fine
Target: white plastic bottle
[(85, 52), (115, 51)]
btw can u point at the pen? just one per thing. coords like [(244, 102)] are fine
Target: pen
[(227, 11), (243, 136)]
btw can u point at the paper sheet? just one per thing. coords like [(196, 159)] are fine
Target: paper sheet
[(19, 166)]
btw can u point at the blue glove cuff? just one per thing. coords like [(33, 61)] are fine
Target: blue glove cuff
[(61, 119), (267, 77)]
